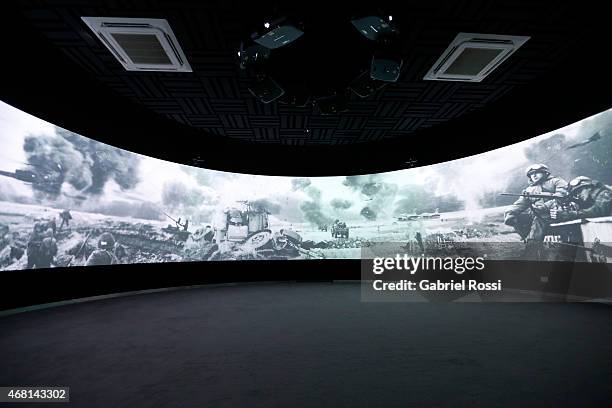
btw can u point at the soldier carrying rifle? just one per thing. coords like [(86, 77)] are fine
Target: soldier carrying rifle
[(105, 254), (530, 215), (592, 199)]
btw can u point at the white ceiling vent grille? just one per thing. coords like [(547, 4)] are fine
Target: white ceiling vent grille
[(471, 57), (140, 44)]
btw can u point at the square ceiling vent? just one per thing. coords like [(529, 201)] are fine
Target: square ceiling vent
[(140, 44), (471, 57)]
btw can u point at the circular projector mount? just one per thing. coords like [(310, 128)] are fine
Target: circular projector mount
[(321, 68)]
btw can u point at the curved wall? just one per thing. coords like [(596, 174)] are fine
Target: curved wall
[(66, 200)]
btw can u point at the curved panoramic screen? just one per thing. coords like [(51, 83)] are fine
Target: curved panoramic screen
[(68, 200)]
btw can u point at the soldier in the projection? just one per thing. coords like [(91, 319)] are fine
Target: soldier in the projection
[(66, 217), (592, 199), (209, 234), (530, 217), (42, 247), (104, 255), (5, 238), (51, 224), (419, 240), (220, 223), (120, 252)]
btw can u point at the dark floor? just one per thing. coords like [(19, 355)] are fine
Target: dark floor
[(315, 344)]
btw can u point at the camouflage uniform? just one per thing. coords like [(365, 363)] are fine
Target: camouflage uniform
[(594, 199), (530, 217)]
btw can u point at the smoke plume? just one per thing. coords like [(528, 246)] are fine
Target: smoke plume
[(313, 213), (267, 205), (84, 164), (379, 194), (340, 204), (312, 210), (209, 178), (417, 199), (178, 194), (368, 214), (298, 184), (120, 208), (194, 203)]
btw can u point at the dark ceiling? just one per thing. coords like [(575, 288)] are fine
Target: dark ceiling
[(209, 118)]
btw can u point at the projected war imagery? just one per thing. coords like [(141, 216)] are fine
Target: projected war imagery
[(67, 200)]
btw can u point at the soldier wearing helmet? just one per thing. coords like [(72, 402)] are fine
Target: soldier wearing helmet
[(104, 255), (65, 216), (530, 217), (209, 233), (42, 246), (593, 199)]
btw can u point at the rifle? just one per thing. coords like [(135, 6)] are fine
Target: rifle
[(547, 196), (80, 248), (564, 201), (175, 221), (169, 216)]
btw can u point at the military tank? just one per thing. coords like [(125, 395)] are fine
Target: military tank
[(340, 230)]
